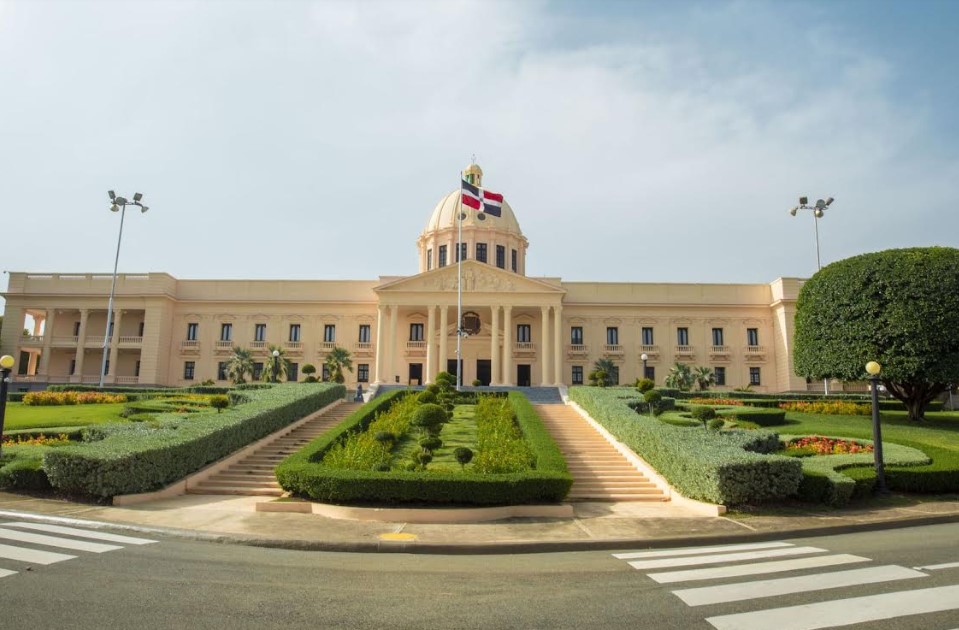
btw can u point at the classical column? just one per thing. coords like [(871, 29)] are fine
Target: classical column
[(81, 344), (115, 344), (430, 343), (380, 359), (47, 341), (558, 344), (507, 345), (394, 312), (544, 353), (444, 324), (494, 349)]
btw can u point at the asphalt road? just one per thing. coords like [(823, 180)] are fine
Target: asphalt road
[(173, 583)]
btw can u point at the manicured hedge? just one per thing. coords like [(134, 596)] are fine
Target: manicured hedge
[(304, 474), (140, 457), (24, 474), (718, 466), (756, 399)]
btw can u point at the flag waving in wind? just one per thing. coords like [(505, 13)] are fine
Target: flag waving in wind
[(484, 200)]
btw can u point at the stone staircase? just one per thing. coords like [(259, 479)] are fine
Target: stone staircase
[(253, 475), (600, 472)]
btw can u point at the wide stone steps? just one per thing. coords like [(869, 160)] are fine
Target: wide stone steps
[(253, 475), (600, 472)]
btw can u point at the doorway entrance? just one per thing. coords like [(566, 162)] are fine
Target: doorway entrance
[(484, 370), (523, 375), (451, 366), (416, 374)]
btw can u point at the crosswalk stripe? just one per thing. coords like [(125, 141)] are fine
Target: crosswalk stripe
[(5, 573), (694, 551), (32, 555), (53, 541), (755, 568), (936, 567), (843, 612), (742, 591), (724, 557), (82, 533)]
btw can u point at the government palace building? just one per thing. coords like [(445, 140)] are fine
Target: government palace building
[(519, 330)]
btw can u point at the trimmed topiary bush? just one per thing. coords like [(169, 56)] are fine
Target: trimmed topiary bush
[(463, 455)]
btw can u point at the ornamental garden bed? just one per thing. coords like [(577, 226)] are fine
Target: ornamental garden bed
[(394, 450)]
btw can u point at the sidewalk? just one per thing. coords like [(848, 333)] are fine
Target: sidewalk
[(594, 526)]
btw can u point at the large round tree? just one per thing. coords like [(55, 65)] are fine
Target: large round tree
[(899, 307)]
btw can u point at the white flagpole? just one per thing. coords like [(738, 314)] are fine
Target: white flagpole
[(459, 293)]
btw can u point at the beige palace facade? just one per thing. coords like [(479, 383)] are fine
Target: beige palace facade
[(521, 330)]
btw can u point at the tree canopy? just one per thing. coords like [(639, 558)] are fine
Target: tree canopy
[(899, 307)]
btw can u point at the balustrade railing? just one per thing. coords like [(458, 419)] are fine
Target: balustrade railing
[(577, 348), (613, 348)]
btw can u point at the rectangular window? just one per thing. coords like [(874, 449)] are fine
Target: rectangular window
[(226, 332), (523, 333), (191, 331), (576, 335), (754, 378), (577, 375), (612, 336), (461, 252), (416, 332), (481, 252), (752, 336), (136, 369), (107, 368), (720, 374), (364, 333), (257, 370), (614, 375), (501, 256), (294, 334), (293, 374), (221, 371), (363, 372), (140, 329), (73, 367), (259, 332), (329, 333), (650, 373), (718, 337), (110, 334), (648, 336), (515, 258), (429, 259), (682, 336), (326, 372), (189, 367), (76, 329), (442, 261)]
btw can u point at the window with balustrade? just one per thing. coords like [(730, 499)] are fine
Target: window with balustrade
[(364, 333), (416, 332), (752, 336), (524, 333), (682, 336), (648, 336), (294, 334), (612, 336), (259, 332), (226, 332), (718, 337), (329, 333), (191, 331), (576, 335)]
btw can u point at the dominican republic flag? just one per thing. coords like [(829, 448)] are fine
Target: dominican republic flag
[(477, 198)]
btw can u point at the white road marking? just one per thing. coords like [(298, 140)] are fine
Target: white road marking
[(54, 541), (82, 533), (5, 573), (936, 567), (843, 612), (32, 555), (802, 584), (723, 557), (694, 551), (755, 568)]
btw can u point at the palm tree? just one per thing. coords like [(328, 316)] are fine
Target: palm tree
[(239, 365), (680, 377), (704, 377), (277, 366), (337, 359), (605, 371)]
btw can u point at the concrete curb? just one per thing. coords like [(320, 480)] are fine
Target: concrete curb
[(492, 547)]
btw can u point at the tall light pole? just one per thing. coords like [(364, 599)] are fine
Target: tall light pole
[(119, 205), (644, 357), (6, 364), (817, 212), (873, 369), (276, 366)]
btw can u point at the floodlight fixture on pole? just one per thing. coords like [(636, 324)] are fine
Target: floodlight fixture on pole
[(276, 365), (873, 368), (644, 358), (818, 209), (119, 205), (6, 364)]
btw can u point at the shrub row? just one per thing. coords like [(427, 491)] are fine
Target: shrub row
[(303, 473), (757, 399), (721, 467), (133, 458)]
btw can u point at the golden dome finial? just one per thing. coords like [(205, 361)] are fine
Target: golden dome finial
[(473, 173)]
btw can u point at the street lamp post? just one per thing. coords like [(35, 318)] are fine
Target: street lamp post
[(873, 369), (119, 205), (817, 212), (644, 357), (276, 366), (6, 364)]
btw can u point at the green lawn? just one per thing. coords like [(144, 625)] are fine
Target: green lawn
[(20, 416), (459, 431)]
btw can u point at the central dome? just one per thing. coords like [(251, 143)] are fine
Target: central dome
[(445, 216)]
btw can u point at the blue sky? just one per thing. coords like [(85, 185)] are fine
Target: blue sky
[(636, 141)]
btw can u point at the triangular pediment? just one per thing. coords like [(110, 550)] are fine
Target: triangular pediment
[(477, 278)]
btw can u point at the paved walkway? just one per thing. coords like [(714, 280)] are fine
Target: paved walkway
[(594, 526)]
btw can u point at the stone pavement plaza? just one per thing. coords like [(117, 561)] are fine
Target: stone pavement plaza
[(592, 526)]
